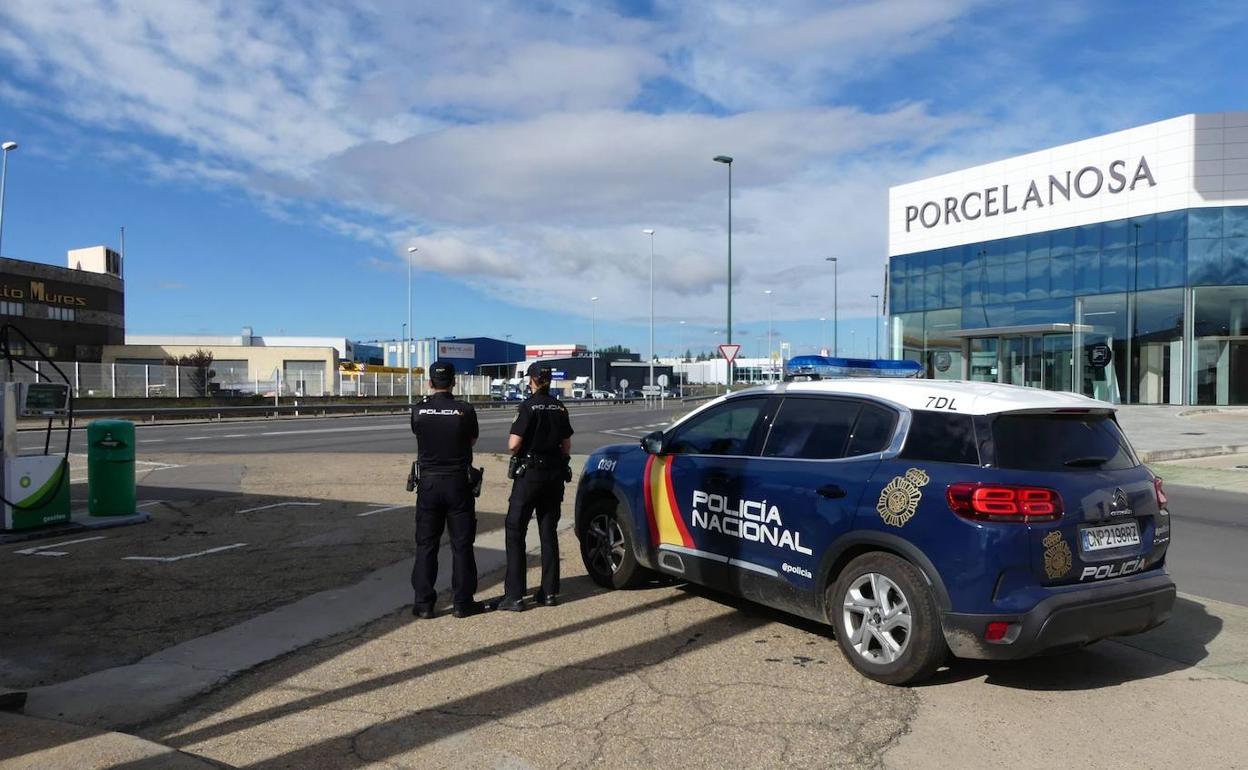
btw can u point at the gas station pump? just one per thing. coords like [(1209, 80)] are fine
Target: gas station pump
[(35, 484)]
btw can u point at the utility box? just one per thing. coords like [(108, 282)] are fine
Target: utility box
[(110, 468)]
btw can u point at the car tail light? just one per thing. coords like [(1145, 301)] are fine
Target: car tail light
[(1162, 500), (996, 631), (999, 502)]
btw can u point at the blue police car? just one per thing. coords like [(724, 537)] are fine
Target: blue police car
[(916, 517)]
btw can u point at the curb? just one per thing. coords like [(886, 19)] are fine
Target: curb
[(1189, 453)]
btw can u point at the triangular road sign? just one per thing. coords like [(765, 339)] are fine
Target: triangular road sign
[(729, 352)]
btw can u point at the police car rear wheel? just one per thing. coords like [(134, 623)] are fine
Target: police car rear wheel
[(886, 619), (607, 550)]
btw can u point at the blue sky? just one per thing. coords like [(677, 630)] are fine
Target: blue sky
[(272, 162)]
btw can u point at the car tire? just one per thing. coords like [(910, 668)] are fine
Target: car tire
[(886, 620), (607, 549)]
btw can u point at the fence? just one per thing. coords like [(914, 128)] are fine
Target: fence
[(111, 380)]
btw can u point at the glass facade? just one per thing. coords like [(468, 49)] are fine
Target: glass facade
[(1151, 309)]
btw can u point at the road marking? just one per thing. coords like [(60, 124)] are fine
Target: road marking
[(276, 505), (383, 510), (199, 438), (235, 435), (149, 503), (40, 550), (152, 441), (183, 556)]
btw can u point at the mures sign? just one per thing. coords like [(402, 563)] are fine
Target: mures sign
[(38, 291), (1088, 182)]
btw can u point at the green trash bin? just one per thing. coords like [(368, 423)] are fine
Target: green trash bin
[(110, 468)]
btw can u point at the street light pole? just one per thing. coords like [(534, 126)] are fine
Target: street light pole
[(407, 347), (727, 160), (768, 293), (593, 345), (680, 378), (650, 232), (7, 147), (875, 325), (836, 348)]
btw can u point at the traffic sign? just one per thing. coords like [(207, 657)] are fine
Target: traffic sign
[(729, 352)]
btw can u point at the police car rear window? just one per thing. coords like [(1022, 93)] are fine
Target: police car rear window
[(1060, 442), (941, 437)]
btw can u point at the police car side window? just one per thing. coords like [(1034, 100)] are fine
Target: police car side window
[(721, 430), (941, 437), (812, 428), (873, 432)]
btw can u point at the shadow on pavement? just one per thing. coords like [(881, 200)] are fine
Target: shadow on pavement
[(1180, 643)]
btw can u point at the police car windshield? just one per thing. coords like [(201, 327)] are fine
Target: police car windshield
[(1056, 442)]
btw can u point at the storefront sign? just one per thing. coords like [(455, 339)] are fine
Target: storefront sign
[(1087, 182), (38, 291), (1100, 355), (457, 350)]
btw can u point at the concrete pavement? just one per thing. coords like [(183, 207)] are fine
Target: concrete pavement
[(1163, 433)]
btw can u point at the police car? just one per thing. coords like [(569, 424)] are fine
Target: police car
[(916, 517)]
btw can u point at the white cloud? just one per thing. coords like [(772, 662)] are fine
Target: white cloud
[(523, 147)]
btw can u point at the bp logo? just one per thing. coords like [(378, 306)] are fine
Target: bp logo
[(1057, 556), (900, 497), (24, 482)]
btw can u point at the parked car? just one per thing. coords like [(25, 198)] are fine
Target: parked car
[(600, 395), (917, 518)]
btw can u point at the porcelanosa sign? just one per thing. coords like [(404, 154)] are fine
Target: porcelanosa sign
[(1086, 182)]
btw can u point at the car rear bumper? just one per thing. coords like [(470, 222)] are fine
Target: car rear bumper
[(1066, 620)]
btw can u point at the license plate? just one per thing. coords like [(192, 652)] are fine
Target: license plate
[(1113, 536)]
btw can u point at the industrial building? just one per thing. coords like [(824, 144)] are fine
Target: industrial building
[(70, 312)]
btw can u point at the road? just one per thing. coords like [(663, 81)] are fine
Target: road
[(595, 427), (1210, 531)]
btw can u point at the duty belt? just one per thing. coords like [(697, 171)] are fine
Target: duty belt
[(543, 461)]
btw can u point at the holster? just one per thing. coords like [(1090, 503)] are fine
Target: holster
[(475, 477), (567, 469), (412, 477), (516, 467)]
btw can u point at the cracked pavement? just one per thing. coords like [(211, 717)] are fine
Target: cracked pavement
[(664, 676), (91, 610)]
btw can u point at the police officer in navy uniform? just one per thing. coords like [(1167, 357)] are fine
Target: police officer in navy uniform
[(540, 442), (446, 430)]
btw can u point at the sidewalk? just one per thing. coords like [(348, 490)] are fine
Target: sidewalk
[(42, 744), (1163, 433)]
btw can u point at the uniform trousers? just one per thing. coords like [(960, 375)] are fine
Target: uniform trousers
[(540, 491), (444, 501)]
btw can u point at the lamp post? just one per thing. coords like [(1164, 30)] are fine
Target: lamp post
[(875, 325), (836, 350), (680, 378), (768, 293), (407, 348), (7, 147), (593, 345), (650, 232), (727, 160)]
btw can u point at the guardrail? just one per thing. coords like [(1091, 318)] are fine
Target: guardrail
[(301, 410)]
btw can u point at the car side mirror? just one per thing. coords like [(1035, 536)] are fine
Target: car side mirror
[(653, 443)]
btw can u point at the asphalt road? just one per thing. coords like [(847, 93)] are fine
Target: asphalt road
[(595, 427), (1210, 538)]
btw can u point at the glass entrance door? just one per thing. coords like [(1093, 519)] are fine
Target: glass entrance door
[(1057, 362)]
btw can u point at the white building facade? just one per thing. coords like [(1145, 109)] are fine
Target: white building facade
[(1116, 267)]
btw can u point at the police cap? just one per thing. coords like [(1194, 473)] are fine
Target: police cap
[(442, 374), (540, 372)]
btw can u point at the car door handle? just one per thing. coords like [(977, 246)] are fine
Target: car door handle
[(718, 479), (831, 491)]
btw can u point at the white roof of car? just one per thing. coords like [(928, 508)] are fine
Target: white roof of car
[(960, 396)]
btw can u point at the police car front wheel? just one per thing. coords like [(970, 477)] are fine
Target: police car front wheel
[(607, 550), (886, 620)]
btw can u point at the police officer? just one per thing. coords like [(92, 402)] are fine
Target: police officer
[(540, 444), (446, 430)]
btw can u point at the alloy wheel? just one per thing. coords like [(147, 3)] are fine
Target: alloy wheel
[(876, 618), (606, 544)]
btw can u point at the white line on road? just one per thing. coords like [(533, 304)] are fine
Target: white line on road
[(275, 505), (149, 503), (383, 510), (39, 550), (183, 556)]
